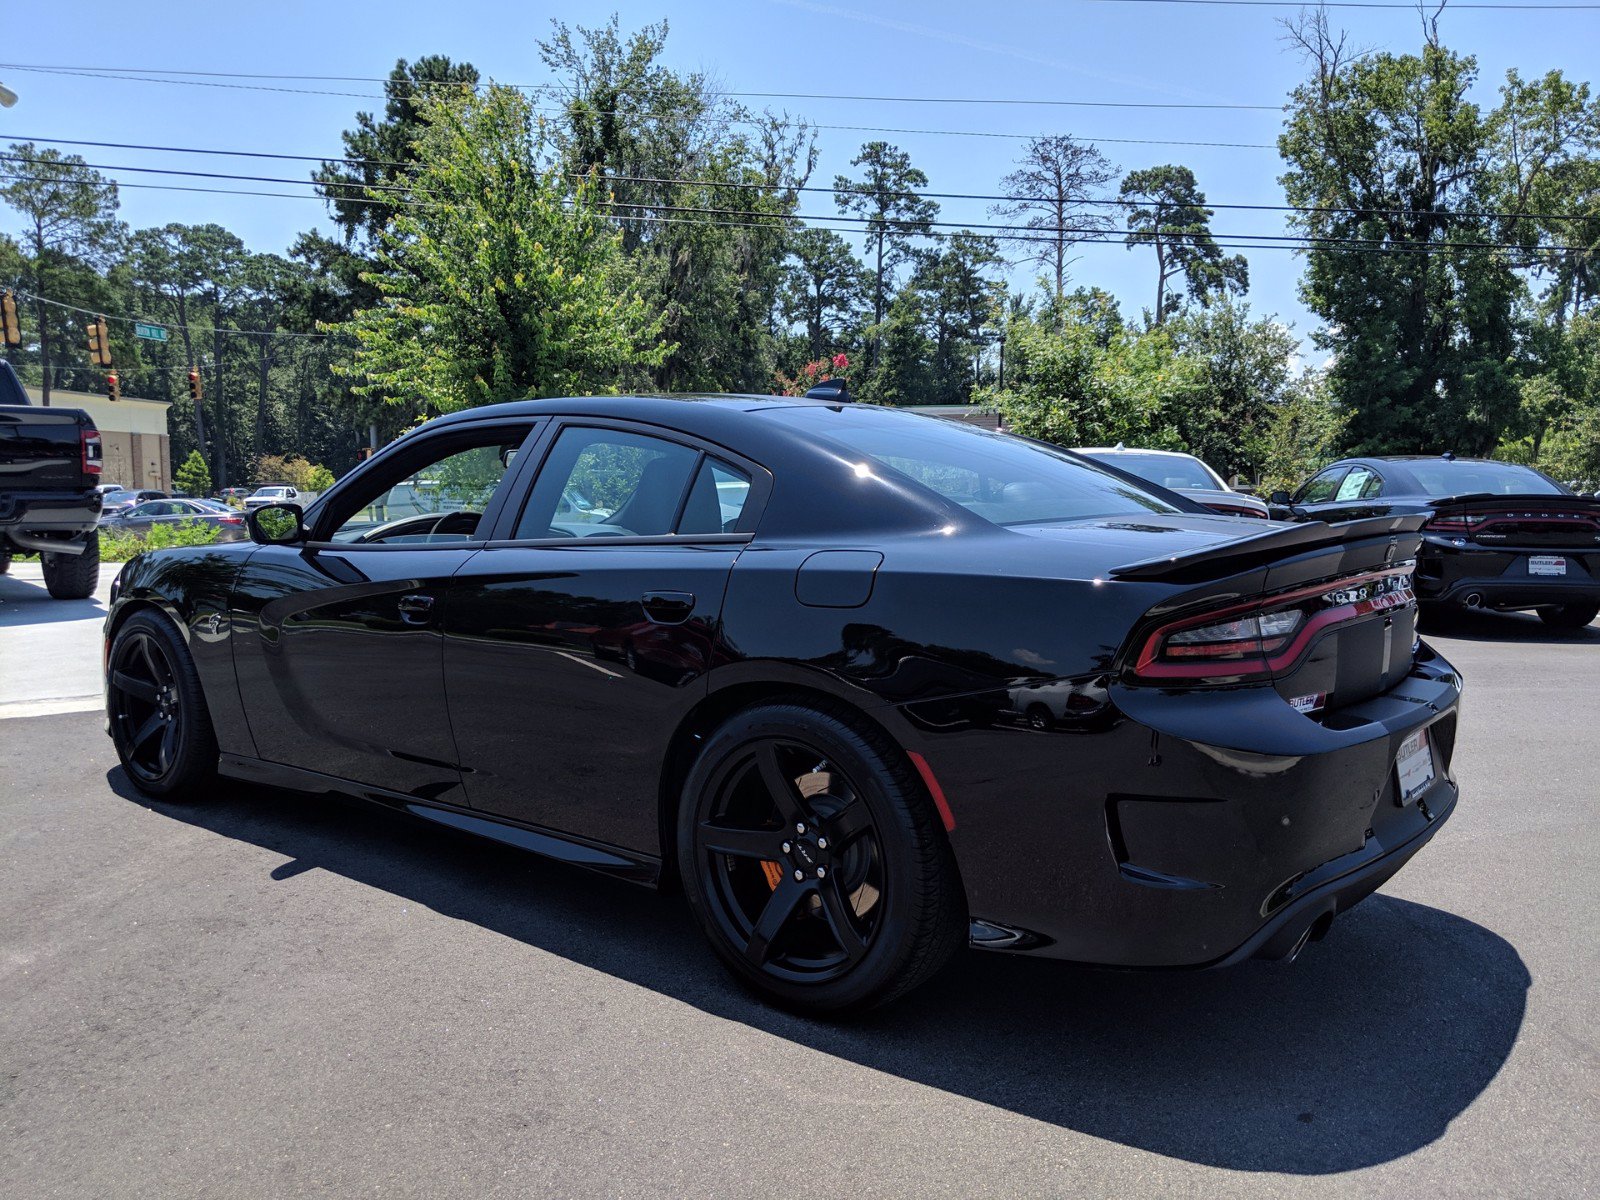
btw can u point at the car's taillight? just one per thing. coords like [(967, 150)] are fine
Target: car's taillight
[(1460, 523), (89, 445), (1253, 641), (232, 520)]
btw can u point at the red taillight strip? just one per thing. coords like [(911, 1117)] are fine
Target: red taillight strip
[(1260, 662), (934, 790)]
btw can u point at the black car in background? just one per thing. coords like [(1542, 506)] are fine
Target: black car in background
[(1499, 535), (870, 685)]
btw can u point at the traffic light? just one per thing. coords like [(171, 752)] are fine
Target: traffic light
[(113, 386), (99, 343), (194, 386), (10, 330)]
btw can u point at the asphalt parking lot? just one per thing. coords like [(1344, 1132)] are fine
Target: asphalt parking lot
[(276, 994)]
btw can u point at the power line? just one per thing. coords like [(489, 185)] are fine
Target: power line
[(1082, 236), (147, 74), (34, 298), (1364, 4), (1103, 202)]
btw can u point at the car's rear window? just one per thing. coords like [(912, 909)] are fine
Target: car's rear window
[(1167, 470), (1004, 479), (1444, 478)]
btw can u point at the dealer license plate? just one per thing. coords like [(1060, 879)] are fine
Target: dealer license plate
[(1547, 564), (1414, 764)]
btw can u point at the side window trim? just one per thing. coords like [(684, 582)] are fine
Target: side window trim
[(534, 429), (503, 534), (1338, 474)]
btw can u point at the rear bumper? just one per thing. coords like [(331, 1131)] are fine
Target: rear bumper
[(1189, 830), (1502, 577), (50, 521)]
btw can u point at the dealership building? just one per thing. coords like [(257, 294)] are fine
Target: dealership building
[(133, 436)]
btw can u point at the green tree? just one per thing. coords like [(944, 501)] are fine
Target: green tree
[(1072, 385), (1168, 213), (70, 232), (825, 289), (513, 288), (903, 374), (1387, 160), (700, 187), (960, 297), (1052, 197), (193, 476), (1302, 433), (373, 181), (893, 215), (1247, 370)]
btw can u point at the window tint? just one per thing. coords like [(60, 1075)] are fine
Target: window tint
[(1004, 479), (1444, 478), (1167, 470), (1354, 485), (437, 501), (1322, 487), (607, 483), (717, 499)]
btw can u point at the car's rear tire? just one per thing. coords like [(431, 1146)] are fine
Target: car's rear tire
[(814, 861), (1569, 616), (73, 576), (157, 710)]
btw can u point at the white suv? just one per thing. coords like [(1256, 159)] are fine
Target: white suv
[(272, 495)]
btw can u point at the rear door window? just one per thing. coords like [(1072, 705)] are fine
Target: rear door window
[(606, 483), (1323, 487)]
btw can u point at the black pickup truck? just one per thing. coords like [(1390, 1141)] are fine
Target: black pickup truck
[(49, 466)]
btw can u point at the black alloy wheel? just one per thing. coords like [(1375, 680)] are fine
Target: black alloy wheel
[(159, 723), (1569, 616), (815, 863)]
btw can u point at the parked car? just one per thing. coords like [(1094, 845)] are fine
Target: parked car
[(125, 498), (272, 494), (1498, 535), (1179, 473), (233, 496), (815, 712), (139, 519), (49, 503)]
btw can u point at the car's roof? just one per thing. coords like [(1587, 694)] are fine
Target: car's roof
[(662, 405)]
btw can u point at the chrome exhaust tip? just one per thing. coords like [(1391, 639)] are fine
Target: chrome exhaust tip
[(1473, 600)]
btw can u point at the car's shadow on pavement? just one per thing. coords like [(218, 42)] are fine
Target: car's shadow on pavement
[(1361, 1052)]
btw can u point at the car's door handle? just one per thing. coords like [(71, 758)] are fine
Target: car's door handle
[(669, 608), (416, 609)]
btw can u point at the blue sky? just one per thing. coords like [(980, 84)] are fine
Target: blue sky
[(1061, 50)]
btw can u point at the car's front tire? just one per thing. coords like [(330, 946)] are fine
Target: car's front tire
[(73, 576), (157, 709), (1569, 616), (814, 862)]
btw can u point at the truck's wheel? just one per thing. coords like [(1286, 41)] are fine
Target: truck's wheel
[(5, 559), (73, 576)]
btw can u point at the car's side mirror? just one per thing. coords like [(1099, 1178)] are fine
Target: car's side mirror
[(1280, 497), (276, 524)]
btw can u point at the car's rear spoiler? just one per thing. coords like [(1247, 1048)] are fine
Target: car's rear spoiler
[(1243, 554), (1529, 500)]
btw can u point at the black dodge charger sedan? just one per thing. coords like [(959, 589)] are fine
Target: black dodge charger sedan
[(1498, 535), (792, 655)]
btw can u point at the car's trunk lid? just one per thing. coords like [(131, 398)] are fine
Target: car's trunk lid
[(1531, 521), (1351, 582)]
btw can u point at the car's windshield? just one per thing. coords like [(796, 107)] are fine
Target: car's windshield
[(1446, 478), (1167, 470), (1004, 479)]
